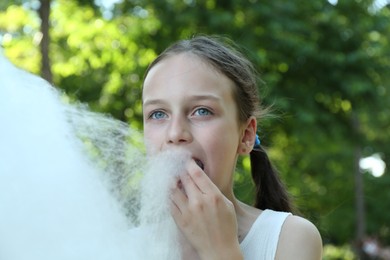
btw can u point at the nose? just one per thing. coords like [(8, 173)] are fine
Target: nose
[(179, 131)]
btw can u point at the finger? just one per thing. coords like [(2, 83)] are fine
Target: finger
[(175, 212), (200, 178), (179, 206), (189, 186), (179, 198)]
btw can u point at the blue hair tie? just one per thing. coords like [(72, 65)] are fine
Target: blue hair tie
[(257, 142)]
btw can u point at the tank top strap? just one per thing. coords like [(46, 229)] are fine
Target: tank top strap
[(262, 239)]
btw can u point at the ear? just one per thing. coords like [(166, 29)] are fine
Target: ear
[(248, 136)]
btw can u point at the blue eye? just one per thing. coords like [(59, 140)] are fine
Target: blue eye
[(157, 115), (202, 112)]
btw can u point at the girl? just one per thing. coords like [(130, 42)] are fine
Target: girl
[(201, 95)]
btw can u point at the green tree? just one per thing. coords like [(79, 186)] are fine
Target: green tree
[(323, 67)]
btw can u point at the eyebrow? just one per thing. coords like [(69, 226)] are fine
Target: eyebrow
[(191, 98)]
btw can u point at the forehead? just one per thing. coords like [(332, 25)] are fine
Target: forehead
[(189, 73)]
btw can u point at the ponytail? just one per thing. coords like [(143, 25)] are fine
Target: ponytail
[(270, 191)]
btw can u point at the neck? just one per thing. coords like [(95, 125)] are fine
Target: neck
[(246, 215)]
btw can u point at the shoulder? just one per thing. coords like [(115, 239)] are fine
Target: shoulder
[(299, 239)]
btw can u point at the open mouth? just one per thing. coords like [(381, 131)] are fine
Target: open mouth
[(199, 163)]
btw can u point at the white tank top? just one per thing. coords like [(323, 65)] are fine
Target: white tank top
[(262, 239)]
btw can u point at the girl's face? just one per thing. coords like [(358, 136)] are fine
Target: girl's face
[(190, 105)]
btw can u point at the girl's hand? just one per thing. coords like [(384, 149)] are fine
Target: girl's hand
[(205, 216)]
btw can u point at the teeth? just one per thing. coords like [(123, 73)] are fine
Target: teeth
[(199, 163)]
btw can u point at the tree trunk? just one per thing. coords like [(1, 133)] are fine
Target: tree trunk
[(44, 13), (359, 191)]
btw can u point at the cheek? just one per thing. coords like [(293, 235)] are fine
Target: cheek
[(223, 151), (152, 140), (223, 138), (222, 147)]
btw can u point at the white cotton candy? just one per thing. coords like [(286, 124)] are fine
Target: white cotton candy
[(60, 201)]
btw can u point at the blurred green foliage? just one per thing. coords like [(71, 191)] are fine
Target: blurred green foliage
[(338, 253), (323, 66)]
